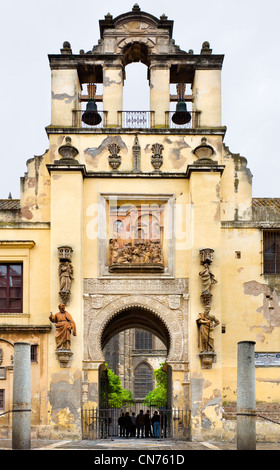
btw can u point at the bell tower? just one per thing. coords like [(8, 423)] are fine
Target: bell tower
[(132, 37), (141, 197)]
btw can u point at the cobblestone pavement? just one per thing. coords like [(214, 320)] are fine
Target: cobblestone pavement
[(143, 445)]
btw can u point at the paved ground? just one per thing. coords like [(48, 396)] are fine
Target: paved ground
[(132, 444)]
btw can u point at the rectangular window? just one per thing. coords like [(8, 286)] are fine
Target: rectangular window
[(271, 251), (2, 399), (10, 288), (34, 355)]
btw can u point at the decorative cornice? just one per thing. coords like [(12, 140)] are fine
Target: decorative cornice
[(17, 243), (25, 328)]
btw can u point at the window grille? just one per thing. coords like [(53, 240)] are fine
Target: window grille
[(271, 251), (143, 380), (2, 399), (34, 351)]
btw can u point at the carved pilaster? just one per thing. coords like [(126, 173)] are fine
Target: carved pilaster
[(136, 155)]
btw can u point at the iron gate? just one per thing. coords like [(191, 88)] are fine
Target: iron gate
[(100, 423)]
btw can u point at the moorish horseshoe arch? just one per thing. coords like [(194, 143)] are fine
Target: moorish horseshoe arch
[(96, 325)]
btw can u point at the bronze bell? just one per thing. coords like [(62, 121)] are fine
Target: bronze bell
[(91, 115), (181, 115)]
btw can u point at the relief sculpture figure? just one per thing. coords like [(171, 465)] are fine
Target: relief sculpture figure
[(140, 253), (207, 278), (64, 325), (206, 324), (66, 276)]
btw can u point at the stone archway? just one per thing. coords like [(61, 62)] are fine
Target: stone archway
[(160, 307), (129, 312)]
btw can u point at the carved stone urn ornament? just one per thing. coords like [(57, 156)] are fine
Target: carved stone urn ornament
[(114, 159), (68, 153), (157, 158)]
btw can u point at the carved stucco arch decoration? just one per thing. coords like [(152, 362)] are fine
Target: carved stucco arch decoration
[(168, 318), (124, 43)]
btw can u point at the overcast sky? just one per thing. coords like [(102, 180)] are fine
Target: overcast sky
[(246, 31)]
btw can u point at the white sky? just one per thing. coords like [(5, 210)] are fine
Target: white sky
[(247, 32)]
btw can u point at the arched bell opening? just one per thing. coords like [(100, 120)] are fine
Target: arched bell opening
[(135, 52), (136, 90)]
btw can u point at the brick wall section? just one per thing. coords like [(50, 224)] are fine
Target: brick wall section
[(266, 410)]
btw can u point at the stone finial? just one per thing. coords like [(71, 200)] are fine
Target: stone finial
[(136, 7), (204, 150), (206, 48), (68, 153), (66, 48)]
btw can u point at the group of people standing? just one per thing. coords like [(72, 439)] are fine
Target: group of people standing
[(141, 425)]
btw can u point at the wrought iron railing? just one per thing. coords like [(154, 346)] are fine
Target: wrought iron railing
[(136, 119), (99, 423)]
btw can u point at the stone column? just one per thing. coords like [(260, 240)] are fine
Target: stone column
[(65, 89), (21, 433), (159, 93), (113, 93), (246, 416), (207, 96)]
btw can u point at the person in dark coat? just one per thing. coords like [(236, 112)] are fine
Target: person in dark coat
[(127, 424), (133, 425), (140, 423), (147, 424), (121, 424)]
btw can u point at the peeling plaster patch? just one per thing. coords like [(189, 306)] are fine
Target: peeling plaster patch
[(175, 155), (93, 392), (92, 153), (65, 396), (63, 96), (107, 81), (31, 182), (197, 389), (213, 402), (206, 423), (270, 308), (255, 288), (26, 213), (273, 381)]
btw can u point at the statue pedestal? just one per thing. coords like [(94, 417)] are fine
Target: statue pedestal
[(64, 356), (136, 268), (207, 358)]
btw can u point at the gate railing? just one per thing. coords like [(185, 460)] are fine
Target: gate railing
[(98, 423)]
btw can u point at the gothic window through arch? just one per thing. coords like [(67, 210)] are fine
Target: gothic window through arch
[(143, 380), (143, 339)]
